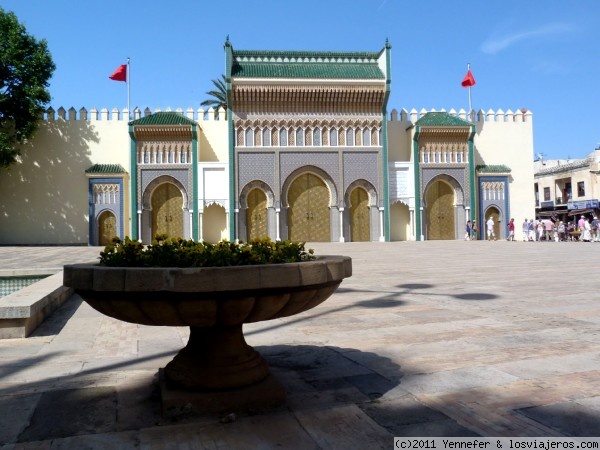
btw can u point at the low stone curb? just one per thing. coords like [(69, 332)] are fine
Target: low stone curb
[(24, 310)]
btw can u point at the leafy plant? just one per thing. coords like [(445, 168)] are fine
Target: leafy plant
[(177, 252)]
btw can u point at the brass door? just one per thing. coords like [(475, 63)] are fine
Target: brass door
[(360, 220), (107, 228), (308, 214), (256, 215), (440, 212), (167, 212)]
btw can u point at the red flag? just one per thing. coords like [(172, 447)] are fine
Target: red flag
[(120, 74), (468, 80)]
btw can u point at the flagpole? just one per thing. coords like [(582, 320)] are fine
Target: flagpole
[(470, 107), (128, 92)]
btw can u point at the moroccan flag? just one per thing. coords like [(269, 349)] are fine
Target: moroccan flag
[(468, 80), (121, 73)]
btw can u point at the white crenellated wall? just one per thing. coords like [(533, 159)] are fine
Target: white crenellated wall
[(44, 196)]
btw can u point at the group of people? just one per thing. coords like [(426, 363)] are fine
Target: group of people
[(584, 229), (471, 230)]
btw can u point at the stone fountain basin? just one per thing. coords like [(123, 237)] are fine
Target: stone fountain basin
[(208, 296), (217, 364)]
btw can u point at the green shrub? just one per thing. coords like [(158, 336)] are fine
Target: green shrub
[(177, 252)]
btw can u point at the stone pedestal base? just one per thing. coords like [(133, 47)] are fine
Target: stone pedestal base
[(266, 394)]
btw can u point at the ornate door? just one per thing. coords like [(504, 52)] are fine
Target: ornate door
[(107, 228), (440, 212), (256, 215), (308, 214), (167, 211), (360, 220)]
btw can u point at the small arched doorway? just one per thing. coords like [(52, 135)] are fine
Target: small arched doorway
[(360, 220), (308, 214), (440, 211), (107, 227), (167, 211), (256, 214), (493, 213)]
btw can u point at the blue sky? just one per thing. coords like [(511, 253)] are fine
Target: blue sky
[(539, 55)]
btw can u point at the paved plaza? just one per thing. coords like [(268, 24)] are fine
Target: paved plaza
[(439, 338)]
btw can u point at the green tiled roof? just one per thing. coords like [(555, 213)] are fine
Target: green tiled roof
[(498, 168), (164, 118), (106, 168), (441, 119), (308, 70), (306, 64)]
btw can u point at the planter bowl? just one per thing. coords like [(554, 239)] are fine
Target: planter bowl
[(214, 302)]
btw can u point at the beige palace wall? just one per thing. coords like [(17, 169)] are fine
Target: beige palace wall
[(44, 197), (506, 138)]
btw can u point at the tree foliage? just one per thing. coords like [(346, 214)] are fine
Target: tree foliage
[(26, 67), (218, 96)]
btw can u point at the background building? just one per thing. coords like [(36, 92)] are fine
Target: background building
[(567, 188)]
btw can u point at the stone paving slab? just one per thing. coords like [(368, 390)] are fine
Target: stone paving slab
[(446, 338)]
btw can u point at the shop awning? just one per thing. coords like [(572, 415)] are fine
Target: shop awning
[(575, 212)]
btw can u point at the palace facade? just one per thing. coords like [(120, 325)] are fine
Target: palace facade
[(306, 150)]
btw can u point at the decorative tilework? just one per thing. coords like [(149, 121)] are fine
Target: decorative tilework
[(8, 285), (363, 165), (256, 166), (326, 161)]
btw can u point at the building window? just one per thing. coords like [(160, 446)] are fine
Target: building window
[(350, 137), (366, 137), (316, 137), (266, 137), (283, 135), (333, 137), (299, 137), (546, 194), (249, 137), (580, 189)]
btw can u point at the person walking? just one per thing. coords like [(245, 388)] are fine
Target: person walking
[(490, 229), (531, 232), (511, 230), (587, 231), (596, 229), (540, 230), (525, 231), (468, 231), (474, 231), (561, 231)]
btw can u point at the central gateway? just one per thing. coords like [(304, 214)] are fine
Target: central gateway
[(308, 130)]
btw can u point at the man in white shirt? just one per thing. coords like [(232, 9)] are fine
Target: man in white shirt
[(490, 229)]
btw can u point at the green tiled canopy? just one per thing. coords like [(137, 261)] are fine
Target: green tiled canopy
[(441, 119), (498, 168), (164, 118), (106, 168)]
